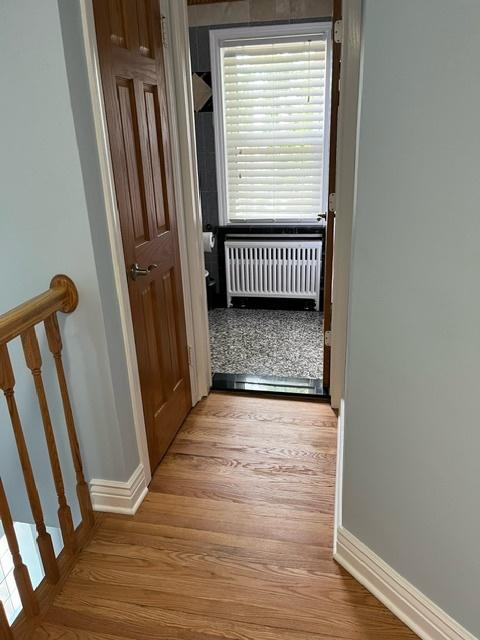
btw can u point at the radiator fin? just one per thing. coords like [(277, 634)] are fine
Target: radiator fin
[(273, 268)]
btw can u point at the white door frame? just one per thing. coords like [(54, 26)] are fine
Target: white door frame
[(345, 178), (346, 174), (182, 127), (189, 224)]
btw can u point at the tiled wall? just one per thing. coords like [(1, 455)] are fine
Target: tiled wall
[(202, 19), (200, 57), (248, 11)]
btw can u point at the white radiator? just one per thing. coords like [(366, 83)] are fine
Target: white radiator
[(273, 268)]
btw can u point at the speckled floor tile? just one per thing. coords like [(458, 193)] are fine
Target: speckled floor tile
[(267, 342)]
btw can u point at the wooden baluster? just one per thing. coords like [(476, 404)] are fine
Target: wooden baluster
[(5, 630), (20, 571), (55, 344), (33, 359), (44, 541)]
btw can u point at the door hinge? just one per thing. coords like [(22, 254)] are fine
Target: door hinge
[(332, 202), (163, 30), (189, 355), (338, 31), (328, 338)]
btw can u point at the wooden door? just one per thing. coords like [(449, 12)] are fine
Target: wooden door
[(129, 37), (330, 231)]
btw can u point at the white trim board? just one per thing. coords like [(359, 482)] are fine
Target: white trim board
[(411, 606), (111, 496), (345, 190), (184, 157), (339, 473), (177, 179)]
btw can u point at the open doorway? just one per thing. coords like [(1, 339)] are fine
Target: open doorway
[(262, 92)]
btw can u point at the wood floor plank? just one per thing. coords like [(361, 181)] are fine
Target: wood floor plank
[(253, 452), (236, 432), (274, 468), (161, 536), (296, 594), (349, 622), (47, 631), (234, 540), (220, 469), (287, 561), (252, 525), (229, 512), (140, 623), (241, 491), (268, 412)]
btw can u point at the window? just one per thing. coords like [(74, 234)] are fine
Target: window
[(271, 89)]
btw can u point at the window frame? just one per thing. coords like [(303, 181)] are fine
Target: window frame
[(234, 36)]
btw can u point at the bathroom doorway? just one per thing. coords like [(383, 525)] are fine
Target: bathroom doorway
[(262, 98)]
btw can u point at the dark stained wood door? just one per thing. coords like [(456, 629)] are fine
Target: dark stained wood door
[(332, 170), (129, 37)]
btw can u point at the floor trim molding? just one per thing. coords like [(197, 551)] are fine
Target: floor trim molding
[(112, 496), (339, 473), (411, 606)]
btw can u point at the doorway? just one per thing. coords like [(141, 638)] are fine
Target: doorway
[(184, 163), (262, 96)]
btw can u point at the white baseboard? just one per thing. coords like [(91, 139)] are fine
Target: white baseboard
[(119, 497), (411, 606), (339, 472)]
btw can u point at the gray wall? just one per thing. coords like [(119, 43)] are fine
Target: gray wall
[(50, 212), (247, 11), (70, 19), (412, 436)]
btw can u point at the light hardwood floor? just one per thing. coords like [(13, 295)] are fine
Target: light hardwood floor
[(234, 540)]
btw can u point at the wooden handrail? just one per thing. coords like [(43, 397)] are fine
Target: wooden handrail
[(23, 322), (61, 296)]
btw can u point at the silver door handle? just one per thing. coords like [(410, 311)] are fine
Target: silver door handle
[(136, 270)]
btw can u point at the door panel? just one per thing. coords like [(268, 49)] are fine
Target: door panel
[(170, 307), (133, 80), (131, 146), (116, 25), (144, 31), (154, 185)]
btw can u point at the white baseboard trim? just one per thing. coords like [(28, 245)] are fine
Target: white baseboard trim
[(112, 496), (339, 473), (411, 606)]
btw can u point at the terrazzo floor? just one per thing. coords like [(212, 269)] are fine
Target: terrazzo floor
[(267, 342)]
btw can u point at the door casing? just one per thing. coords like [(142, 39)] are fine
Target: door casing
[(345, 171)]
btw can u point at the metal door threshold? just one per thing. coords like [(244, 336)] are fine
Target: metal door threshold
[(277, 385)]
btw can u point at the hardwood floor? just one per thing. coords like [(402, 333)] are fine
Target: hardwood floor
[(234, 540)]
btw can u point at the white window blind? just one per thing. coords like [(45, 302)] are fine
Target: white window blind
[(275, 109)]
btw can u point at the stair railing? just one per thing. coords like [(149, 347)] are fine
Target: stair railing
[(23, 322)]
